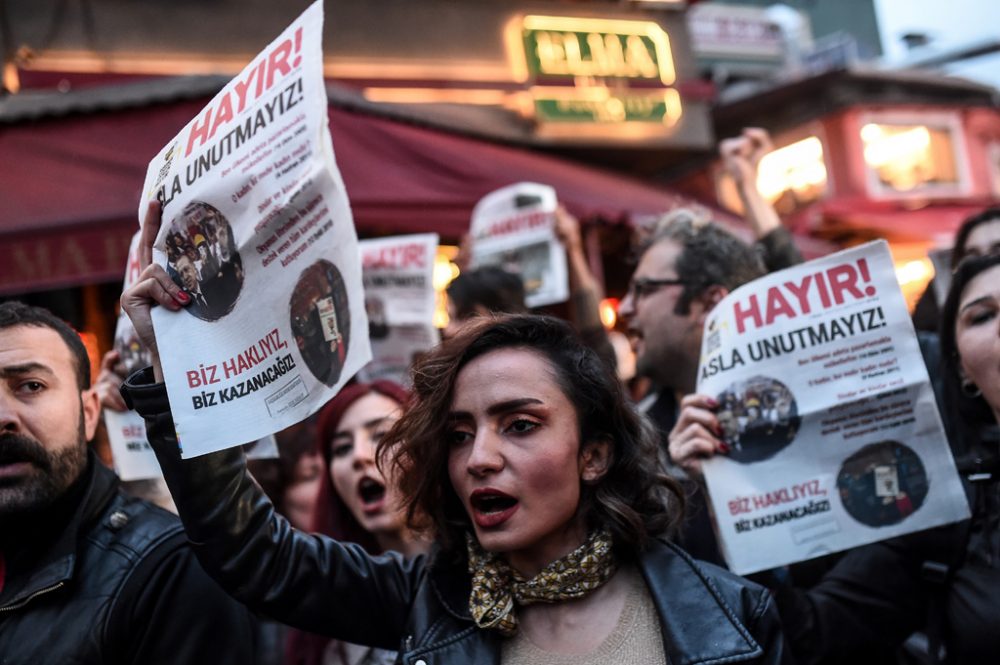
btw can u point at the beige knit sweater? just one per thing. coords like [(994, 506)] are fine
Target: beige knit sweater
[(635, 640)]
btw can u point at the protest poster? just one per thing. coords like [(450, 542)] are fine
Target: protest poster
[(134, 458), (398, 275), (827, 407), (257, 229), (514, 228)]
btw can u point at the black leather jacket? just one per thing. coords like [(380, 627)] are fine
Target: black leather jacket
[(418, 607), (118, 585)]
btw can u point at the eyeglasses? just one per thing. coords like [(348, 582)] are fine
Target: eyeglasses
[(639, 288)]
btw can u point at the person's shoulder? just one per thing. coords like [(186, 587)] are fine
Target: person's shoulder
[(744, 598), (135, 527), (711, 572), (162, 581)]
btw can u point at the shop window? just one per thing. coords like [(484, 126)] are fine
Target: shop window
[(913, 157), (790, 178)]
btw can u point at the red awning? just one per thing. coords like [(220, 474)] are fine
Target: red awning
[(891, 220), (69, 186)]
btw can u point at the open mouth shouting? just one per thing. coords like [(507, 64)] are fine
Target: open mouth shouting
[(491, 508), (635, 338), (372, 495)]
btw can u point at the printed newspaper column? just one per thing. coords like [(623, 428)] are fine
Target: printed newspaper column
[(257, 229), (514, 228), (134, 458), (398, 274), (826, 405)]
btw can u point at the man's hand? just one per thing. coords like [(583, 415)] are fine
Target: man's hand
[(567, 230), (741, 155), (153, 287), (741, 158), (696, 436)]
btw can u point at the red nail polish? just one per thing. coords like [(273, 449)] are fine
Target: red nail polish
[(724, 447), (182, 297), (712, 403)]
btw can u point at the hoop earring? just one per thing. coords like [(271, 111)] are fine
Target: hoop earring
[(971, 390)]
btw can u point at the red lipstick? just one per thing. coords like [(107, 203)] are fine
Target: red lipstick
[(491, 507)]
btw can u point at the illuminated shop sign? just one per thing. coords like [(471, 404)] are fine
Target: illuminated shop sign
[(595, 71)]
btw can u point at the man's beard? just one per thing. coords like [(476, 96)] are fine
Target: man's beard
[(52, 475)]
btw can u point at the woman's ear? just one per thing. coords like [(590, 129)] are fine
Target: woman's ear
[(595, 459)]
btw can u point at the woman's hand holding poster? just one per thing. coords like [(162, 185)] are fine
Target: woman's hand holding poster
[(826, 405), (258, 231)]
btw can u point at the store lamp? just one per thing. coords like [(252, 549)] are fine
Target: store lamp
[(608, 310)]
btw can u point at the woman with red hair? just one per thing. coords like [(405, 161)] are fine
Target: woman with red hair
[(356, 503)]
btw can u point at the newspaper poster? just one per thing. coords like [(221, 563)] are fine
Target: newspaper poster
[(258, 231), (514, 228), (827, 408), (398, 274), (134, 458)]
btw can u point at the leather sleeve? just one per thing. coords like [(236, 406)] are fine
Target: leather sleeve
[(868, 603), (307, 581)]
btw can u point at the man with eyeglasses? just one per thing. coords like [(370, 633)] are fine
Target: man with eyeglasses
[(686, 267)]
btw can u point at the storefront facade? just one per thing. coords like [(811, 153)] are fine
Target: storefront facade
[(430, 110), (904, 156)]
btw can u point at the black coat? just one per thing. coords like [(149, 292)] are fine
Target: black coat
[(118, 585), (418, 607)]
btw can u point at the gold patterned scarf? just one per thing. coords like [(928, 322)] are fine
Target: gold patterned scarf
[(496, 586)]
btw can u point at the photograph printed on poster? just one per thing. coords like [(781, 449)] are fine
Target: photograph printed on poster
[(132, 354), (202, 259), (759, 418), (883, 483), (321, 320)]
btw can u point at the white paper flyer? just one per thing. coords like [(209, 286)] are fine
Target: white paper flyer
[(134, 458), (514, 228), (826, 405), (398, 274), (257, 229)]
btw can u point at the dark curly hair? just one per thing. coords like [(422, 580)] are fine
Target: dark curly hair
[(634, 499), (710, 255)]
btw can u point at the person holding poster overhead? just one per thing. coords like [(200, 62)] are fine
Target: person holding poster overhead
[(356, 502), (943, 581), (685, 268), (522, 458)]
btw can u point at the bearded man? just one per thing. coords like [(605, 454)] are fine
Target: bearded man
[(88, 574)]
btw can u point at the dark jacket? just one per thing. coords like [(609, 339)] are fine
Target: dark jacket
[(945, 581), (118, 585), (418, 607)]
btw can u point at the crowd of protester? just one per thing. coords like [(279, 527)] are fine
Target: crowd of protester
[(518, 504)]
